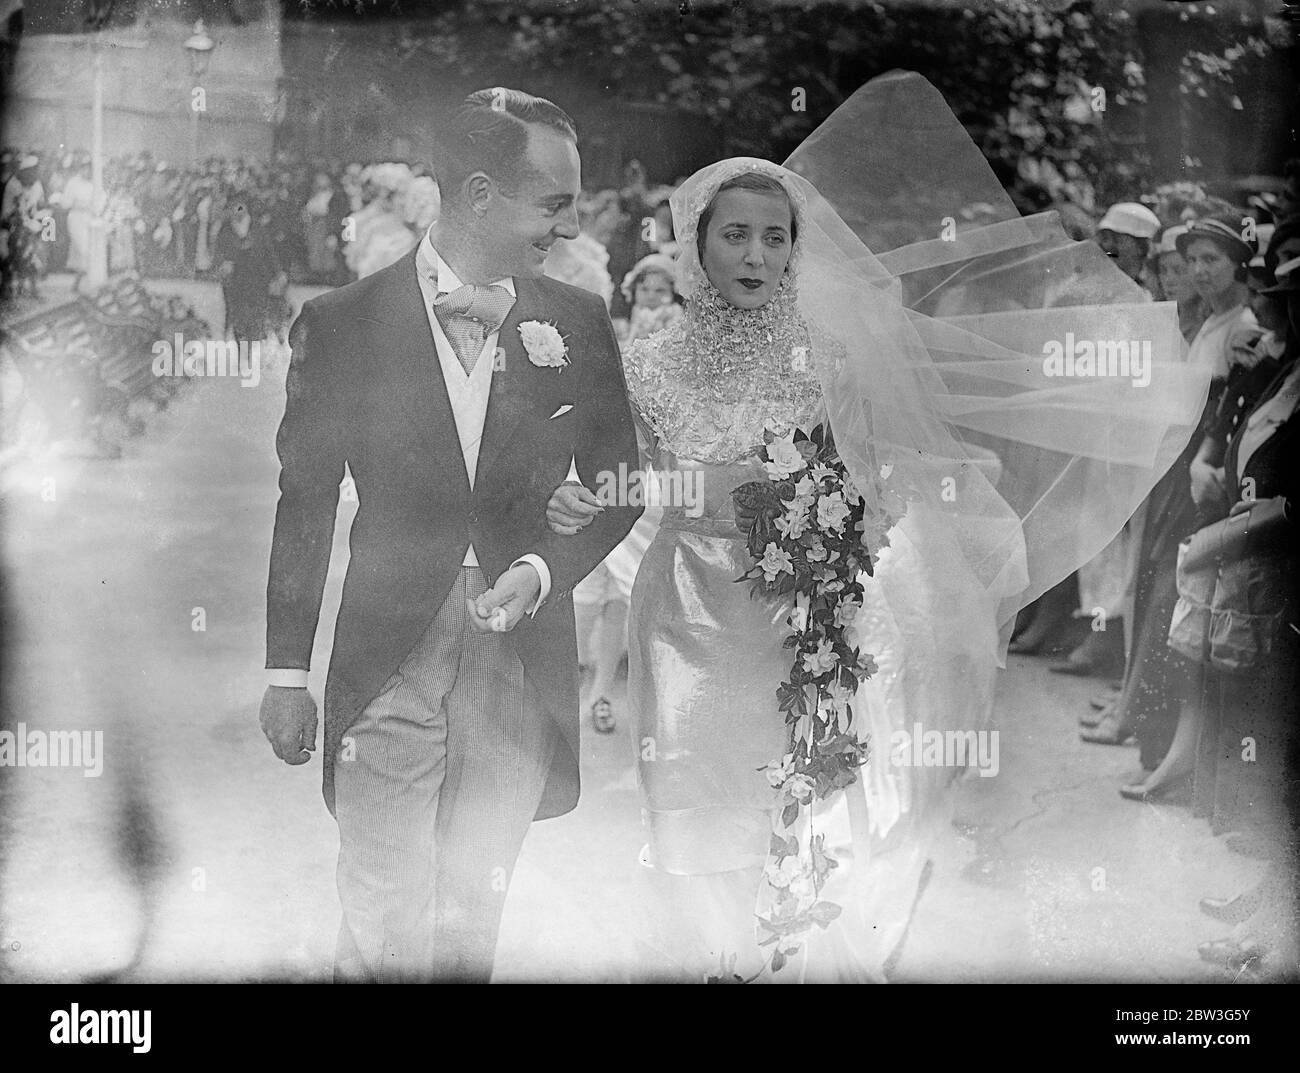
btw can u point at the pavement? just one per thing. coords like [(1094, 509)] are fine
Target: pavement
[(136, 607)]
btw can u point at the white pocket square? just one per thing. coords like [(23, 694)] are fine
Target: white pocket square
[(561, 411)]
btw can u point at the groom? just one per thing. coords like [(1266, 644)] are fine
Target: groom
[(455, 386)]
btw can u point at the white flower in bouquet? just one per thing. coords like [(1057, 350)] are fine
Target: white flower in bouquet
[(793, 876), (805, 488), (821, 660), (832, 512), (779, 770), (846, 612), (783, 874), (794, 521), (840, 696), (800, 787), (775, 561), (785, 460)]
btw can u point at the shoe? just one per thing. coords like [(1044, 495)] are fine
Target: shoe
[(1107, 732), (1232, 953), (1169, 791), (1092, 719), (1164, 792), (1235, 909), (602, 716), (1100, 654)]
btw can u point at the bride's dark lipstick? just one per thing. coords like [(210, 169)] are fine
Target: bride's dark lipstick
[(751, 284)]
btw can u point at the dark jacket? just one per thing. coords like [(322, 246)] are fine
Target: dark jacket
[(365, 388)]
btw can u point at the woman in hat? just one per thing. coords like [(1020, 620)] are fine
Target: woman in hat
[(1218, 257), (1125, 235), (1174, 282)]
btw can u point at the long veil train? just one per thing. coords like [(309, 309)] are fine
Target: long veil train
[(1016, 468)]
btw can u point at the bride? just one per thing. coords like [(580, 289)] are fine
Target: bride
[(985, 481)]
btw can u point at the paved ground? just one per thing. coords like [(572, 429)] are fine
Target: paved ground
[(197, 854)]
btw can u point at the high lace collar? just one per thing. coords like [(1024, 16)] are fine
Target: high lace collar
[(708, 386), (722, 338)]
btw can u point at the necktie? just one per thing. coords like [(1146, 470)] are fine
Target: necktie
[(469, 315)]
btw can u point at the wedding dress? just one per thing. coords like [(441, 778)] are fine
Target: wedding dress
[(990, 480)]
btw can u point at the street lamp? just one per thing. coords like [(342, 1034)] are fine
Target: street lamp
[(198, 47), (97, 266)]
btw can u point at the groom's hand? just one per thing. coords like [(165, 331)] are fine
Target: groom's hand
[(500, 608), (288, 720), (571, 508)]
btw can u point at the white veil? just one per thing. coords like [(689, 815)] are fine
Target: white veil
[(944, 305), (932, 306), (989, 296)]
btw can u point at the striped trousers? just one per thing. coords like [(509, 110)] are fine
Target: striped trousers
[(435, 787)]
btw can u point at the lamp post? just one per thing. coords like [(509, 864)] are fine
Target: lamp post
[(198, 47), (97, 254)]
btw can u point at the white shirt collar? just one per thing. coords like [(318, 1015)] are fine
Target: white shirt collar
[(429, 264)]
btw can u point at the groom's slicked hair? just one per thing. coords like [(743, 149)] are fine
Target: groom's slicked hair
[(489, 133), (746, 180)]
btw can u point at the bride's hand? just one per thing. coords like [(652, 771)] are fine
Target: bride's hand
[(571, 508)]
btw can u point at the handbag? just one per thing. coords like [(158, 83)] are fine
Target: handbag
[(1263, 527), (1231, 585), (1189, 627)]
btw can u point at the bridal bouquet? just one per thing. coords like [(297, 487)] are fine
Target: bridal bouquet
[(809, 538)]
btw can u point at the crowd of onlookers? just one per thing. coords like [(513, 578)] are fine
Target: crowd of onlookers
[(257, 226), (163, 219), (1197, 635), (318, 221)]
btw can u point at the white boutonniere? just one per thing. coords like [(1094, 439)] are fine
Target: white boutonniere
[(544, 344)]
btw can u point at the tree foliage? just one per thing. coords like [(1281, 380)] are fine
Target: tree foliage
[(1053, 92)]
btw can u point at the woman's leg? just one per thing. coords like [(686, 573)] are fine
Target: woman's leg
[(1180, 760)]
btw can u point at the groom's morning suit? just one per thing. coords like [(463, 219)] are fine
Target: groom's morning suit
[(441, 743)]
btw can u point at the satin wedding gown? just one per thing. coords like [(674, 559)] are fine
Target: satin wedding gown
[(925, 354), (705, 659)]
